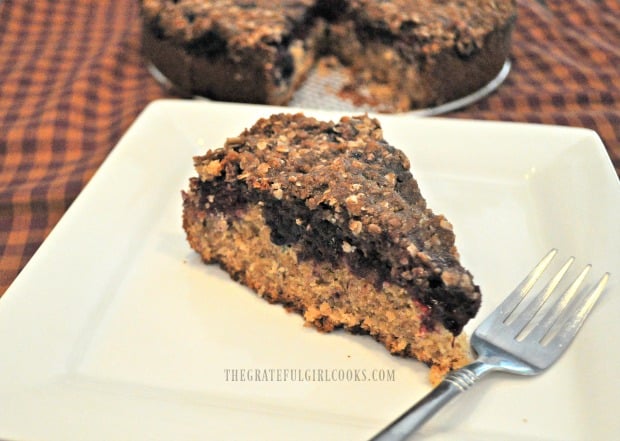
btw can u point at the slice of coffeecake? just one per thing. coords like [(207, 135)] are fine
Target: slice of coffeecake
[(326, 219)]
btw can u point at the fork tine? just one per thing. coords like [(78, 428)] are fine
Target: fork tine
[(573, 322), (551, 316), (507, 307), (526, 319)]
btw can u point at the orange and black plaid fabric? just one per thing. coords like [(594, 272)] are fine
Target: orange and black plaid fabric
[(72, 81)]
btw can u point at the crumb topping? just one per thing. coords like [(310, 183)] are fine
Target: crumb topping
[(431, 25), (346, 166), (239, 22)]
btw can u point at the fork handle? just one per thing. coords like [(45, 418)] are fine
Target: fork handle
[(452, 385)]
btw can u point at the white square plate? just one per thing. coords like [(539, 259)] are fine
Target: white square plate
[(116, 330)]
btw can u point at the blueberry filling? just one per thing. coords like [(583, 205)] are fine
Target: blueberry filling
[(293, 223)]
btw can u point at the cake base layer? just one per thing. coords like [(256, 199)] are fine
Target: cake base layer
[(327, 296)]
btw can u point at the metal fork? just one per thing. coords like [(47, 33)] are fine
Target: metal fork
[(519, 337)]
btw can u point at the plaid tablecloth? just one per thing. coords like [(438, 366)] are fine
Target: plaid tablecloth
[(72, 81)]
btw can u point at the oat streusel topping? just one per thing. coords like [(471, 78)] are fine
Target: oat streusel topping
[(431, 25), (240, 22), (347, 166)]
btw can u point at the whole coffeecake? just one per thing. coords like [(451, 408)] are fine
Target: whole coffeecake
[(426, 52), (326, 219)]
